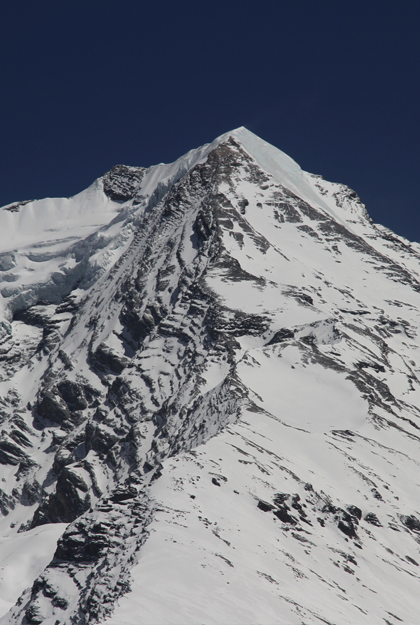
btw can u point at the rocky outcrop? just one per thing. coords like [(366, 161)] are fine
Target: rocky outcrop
[(121, 183), (92, 560)]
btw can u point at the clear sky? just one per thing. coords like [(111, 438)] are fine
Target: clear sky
[(333, 83)]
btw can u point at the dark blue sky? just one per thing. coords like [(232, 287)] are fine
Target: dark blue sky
[(335, 84)]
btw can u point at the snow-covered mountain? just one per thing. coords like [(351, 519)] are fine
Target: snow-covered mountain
[(210, 400)]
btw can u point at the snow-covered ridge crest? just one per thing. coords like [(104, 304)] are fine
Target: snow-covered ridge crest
[(50, 246), (275, 162)]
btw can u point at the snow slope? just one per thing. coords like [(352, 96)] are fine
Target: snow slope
[(210, 375)]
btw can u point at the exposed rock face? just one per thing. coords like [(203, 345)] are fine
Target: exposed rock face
[(93, 551), (239, 329), (121, 183)]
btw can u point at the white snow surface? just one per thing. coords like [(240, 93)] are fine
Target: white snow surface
[(325, 378)]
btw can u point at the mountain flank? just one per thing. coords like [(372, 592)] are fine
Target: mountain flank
[(210, 400)]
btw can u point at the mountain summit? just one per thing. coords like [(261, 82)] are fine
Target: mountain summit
[(210, 400)]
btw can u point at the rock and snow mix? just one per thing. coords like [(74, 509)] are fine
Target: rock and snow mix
[(210, 400)]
